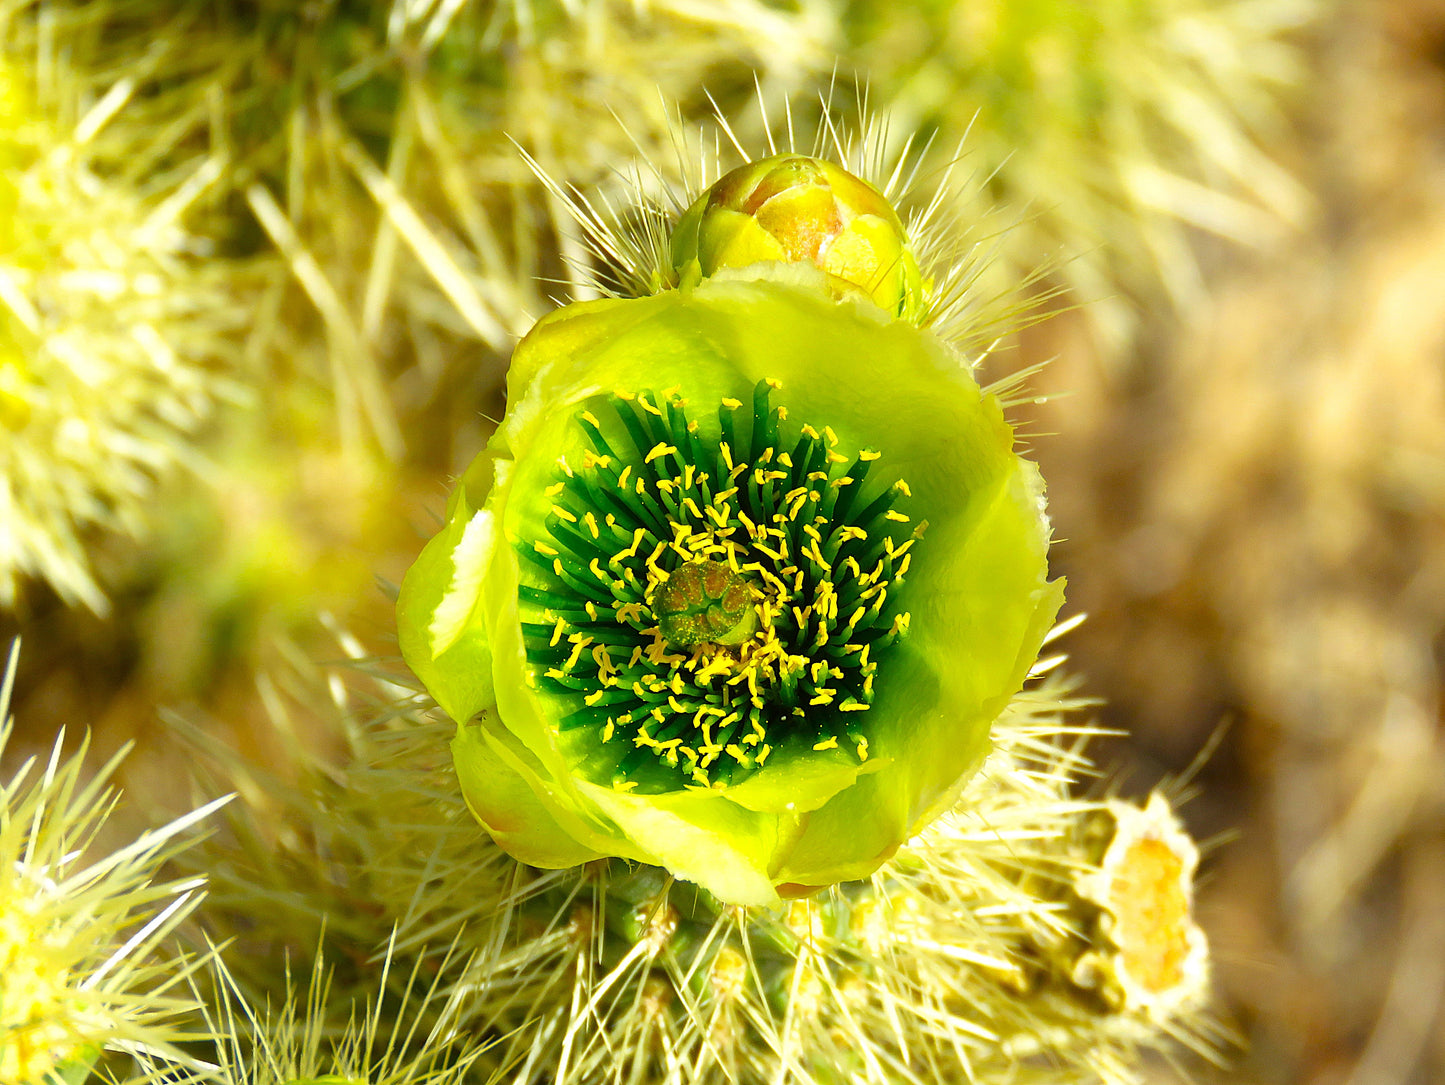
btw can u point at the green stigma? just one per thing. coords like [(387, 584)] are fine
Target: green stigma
[(705, 601), (707, 595)]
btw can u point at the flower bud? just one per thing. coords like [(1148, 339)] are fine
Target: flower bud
[(792, 208)]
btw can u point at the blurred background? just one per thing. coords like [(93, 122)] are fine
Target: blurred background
[(262, 263)]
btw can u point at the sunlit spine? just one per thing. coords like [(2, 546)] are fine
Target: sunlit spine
[(109, 331), (87, 962)]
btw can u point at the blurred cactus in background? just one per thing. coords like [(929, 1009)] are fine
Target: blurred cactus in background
[(110, 327), (1105, 134)]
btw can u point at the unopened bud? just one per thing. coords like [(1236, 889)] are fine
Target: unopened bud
[(793, 208)]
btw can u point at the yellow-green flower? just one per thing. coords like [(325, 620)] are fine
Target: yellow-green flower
[(792, 207), (751, 436)]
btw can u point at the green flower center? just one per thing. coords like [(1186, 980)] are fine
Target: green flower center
[(704, 600)]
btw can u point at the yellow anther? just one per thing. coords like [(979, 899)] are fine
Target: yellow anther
[(829, 743), (623, 785), (578, 648), (853, 706), (564, 514), (608, 730), (896, 516), (543, 549), (557, 631), (622, 478), (648, 407), (763, 754), (862, 749), (591, 521), (555, 489), (662, 448), (738, 754), (557, 566), (591, 419), (868, 455), (592, 698)]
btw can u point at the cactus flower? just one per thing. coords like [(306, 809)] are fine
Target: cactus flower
[(737, 588), (791, 207)]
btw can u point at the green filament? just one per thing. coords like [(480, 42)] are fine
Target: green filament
[(704, 602)]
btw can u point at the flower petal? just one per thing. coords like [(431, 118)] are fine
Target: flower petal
[(700, 837), (512, 808), (439, 628)]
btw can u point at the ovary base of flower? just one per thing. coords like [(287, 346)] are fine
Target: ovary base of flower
[(880, 653)]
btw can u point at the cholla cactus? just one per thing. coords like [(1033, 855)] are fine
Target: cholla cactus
[(106, 333), (298, 1043), (83, 961), (958, 961), (1107, 131), (989, 949), (977, 950)]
